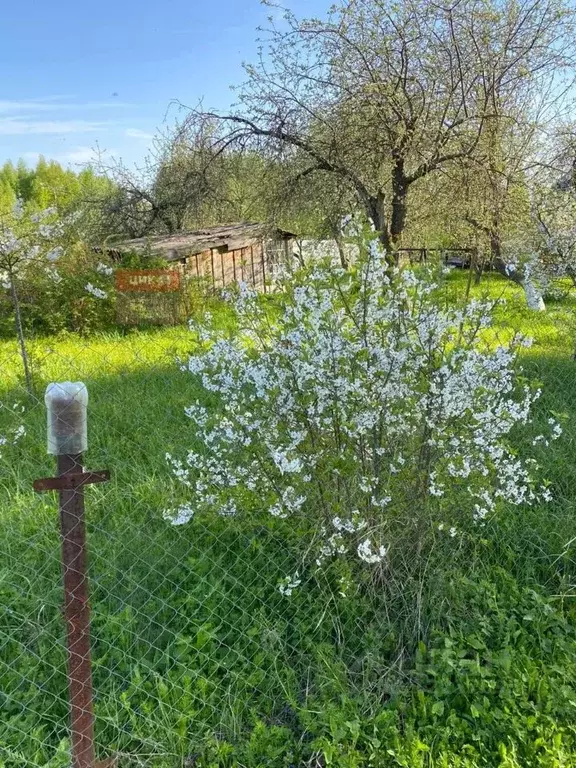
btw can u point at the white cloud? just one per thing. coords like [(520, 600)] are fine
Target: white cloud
[(79, 155), (17, 127), (7, 107), (75, 156), (136, 133), (53, 104)]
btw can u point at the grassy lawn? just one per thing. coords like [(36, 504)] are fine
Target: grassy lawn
[(199, 661)]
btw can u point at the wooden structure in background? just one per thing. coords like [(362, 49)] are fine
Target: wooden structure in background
[(201, 262), (218, 256)]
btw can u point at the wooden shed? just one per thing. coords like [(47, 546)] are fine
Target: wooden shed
[(221, 255)]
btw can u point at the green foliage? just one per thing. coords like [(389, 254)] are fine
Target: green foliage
[(47, 185), (499, 679), (50, 306), (493, 686), (141, 260)]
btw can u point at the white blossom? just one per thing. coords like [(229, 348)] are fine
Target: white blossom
[(14, 435), (23, 246), (289, 584), (46, 230), (366, 553), (54, 275), (104, 269), (18, 209), (179, 516), (98, 293), (55, 253)]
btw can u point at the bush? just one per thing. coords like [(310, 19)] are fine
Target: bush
[(59, 282), (75, 295), (360, 413)]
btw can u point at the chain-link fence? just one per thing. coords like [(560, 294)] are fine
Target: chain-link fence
[(195, 649)]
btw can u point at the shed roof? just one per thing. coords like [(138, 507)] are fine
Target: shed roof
[(188, 243)]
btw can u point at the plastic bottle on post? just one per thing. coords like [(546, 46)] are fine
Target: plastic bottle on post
[(67, 409)]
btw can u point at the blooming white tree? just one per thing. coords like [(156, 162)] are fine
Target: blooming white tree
[(555, 216), (543, 258), (27, 241), (363, 412)]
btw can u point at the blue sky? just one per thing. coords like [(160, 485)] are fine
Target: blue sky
[(76, 75)]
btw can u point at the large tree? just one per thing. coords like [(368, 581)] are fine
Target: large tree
[(189, 179), (381, 94), (180, 180)]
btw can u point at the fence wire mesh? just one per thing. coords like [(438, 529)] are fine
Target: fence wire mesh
[(193, 644)]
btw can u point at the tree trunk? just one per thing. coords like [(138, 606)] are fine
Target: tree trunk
[(399, 201), (337, 234), (478, 272), (534, 298), (342, 252), (21, 338), (376, 210), (299, 254)]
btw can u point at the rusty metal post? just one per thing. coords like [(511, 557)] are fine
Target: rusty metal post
[(77, 614), (67, 431)]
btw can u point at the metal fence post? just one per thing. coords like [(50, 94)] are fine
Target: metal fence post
[(67, 440)]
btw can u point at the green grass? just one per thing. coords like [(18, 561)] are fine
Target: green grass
[(199, 661)]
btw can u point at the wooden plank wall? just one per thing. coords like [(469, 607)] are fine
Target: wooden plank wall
[(218, 268)]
